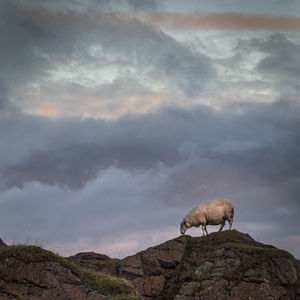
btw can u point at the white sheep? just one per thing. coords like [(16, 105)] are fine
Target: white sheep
[(212, 213)]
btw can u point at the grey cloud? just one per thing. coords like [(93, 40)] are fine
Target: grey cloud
[(261, 141), (102, 178), (4, 102), (31, 46), (120, 202), (105, 177), (106, 6), (39, 40), (116, 201), (155, 55), (144, 5), (282, 64)]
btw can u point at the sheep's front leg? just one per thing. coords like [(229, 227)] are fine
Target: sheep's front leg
[(204, 230)]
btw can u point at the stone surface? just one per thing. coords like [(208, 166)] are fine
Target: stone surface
[(263, 291), (132, 267), (96, 262), (41, 281), (167, 255), (2, 244), (225, 265), (145, 268)]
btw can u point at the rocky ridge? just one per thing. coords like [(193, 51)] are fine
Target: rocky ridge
[(223, 265)]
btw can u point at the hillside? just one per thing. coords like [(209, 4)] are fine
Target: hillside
[(32, 273), (223, 265)]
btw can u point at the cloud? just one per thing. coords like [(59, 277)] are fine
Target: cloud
[(115, 203), (57, 50), (281, 65), (237, 21), (144, 5), (70, 151), (134, 175), (4, 102), (75, 179)]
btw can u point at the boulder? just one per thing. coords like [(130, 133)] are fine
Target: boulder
[(224, 265)]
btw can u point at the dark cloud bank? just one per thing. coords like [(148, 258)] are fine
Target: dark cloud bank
[(69, 178)]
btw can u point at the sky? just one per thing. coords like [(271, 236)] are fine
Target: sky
[(117, 117)]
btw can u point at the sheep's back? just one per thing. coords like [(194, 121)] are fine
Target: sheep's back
[(216, 210), (213, 212)]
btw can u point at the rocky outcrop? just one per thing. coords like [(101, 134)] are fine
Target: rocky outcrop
[(96, 262), (148, 269), (32, 273), (43, 281), (225, 265)]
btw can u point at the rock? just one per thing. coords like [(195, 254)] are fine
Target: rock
[(88, 257), (189, 289), (263, 291), (153, 285), (148, 269), (32, 273), (167, 255), (131, 267), (96, 262), (44, 280), (204, 269), (2, 244), (286, 270), (225, 265)]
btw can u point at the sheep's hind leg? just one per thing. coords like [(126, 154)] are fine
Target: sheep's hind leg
[(230, 223), (222, 226)]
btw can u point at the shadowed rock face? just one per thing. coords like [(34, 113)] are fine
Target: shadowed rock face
[(2, 244), (43, 281), (32, 273), (223, 265)]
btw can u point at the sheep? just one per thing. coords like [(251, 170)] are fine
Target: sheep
[(212, 213)]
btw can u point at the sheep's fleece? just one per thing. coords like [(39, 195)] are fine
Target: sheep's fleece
[(212, 213)]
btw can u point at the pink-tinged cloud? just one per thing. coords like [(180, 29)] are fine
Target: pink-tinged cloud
[(228, 20), (90, 105), (116, 247)]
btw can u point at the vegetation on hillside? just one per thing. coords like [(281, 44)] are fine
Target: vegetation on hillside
[(115, 288)]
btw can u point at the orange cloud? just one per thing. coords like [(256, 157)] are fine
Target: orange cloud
[(46, 109), (91, 105), (228, 20)]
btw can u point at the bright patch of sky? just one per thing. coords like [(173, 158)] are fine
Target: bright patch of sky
[(271, 7)]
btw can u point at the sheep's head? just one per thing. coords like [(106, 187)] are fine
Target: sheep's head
[(184, 226)]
